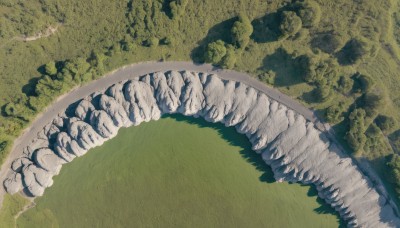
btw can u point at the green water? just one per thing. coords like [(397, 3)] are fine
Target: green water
[(175, 172)]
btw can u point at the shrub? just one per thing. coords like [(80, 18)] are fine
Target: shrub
[(290, 24), (329, 43), (241, 31), (356, 135), (152, 42), (394, 170), (363, 83), (50, 68), (372, 103), (229, 60), (215, 51), (355, 50), (385, 123), (309, 12), (267, 77), (345, 84), (334, 113)]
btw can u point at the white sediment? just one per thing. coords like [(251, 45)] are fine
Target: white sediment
[(291, 145)]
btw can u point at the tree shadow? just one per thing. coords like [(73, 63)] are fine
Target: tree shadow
[(287, 70), (29, 88), (220, 31), (266, 28), (235, 139)]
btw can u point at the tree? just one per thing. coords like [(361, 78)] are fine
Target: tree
[(215, 51), (355, 50), (372, 103), (229, 60), (345, 84), (152, 42), (329, 42), (309, 12), (385, 123), (50, 68), (363, 83), (334, 113), (394, 170), (290, 24), (356, 135), (241, 31)]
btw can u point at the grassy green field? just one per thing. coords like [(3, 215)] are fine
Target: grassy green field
[(176, 172)]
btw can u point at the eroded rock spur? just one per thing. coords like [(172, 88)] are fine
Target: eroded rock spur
[(290, 144)]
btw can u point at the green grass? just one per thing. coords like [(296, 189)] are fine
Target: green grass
[(176, 172), (10, 208)]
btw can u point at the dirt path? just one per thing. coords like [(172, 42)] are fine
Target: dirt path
[(46, 33)]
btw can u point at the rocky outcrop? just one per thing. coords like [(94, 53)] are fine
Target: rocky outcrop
[(292, 146)]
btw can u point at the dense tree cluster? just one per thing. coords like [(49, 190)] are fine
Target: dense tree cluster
[(241, 31), (224, 54), (394, 170), (356, 135)]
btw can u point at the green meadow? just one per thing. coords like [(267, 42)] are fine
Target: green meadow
[(175, 172)]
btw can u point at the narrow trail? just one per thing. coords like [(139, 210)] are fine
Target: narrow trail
[(46, 33)]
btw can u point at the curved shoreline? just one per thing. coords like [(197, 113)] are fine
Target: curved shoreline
[(135, 70), (129, 72)]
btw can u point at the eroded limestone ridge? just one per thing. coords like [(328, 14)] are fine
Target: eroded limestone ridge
[(290, 144)]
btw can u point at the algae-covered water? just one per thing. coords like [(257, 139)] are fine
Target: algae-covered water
[(175, 172)]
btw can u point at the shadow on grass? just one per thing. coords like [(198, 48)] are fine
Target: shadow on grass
[(286, 68), (235, 139), (266, 28)]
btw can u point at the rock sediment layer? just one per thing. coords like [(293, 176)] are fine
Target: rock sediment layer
[(291, 145)]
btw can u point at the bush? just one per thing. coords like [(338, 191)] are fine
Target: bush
[(334, 113), (355, 50), (345, 84), (372, 103), (309, 12), (50, 68), (385, 123), (267, 77), (329, 43), (152, 42), (241, 31), (229, 60), (215, 51), (290, 24), (363, 83), (394, 171), (356, 135)]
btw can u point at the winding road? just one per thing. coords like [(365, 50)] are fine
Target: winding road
[(135, 70)]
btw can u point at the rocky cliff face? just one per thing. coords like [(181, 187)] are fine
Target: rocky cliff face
[(291, 145)]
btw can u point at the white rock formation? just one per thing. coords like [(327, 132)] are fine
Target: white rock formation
[(291, 145)]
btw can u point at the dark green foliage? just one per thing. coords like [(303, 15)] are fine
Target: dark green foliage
[(372, 103), (375, 145), (290, 24), (363, 83), (345, 84), (385, 123), (394, 170), (309, 12), (267, 77), (178, 8), (51, 68), (229, 60), (354, 51), (355, 136), (328, 42), (241, 31), (334, 113), (152, 42), (215, 51)]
